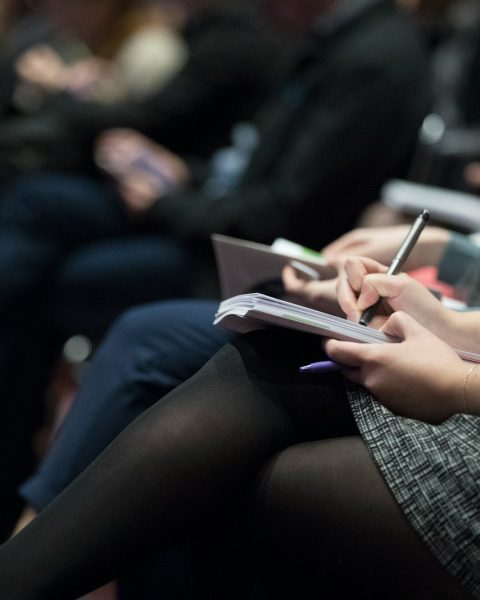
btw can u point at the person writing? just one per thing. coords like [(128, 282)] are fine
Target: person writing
[(377, 481), (154, 348)]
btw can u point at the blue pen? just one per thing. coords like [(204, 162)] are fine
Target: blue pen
[(324, 366)]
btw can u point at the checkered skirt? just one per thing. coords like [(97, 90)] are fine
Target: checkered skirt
[(434, 473)]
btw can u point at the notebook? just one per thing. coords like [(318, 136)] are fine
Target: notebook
[(244, 266), (247, 312)]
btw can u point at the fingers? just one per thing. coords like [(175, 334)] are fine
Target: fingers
[(356, 269), (401, 325), (292, 282), (377, 286), (347, 299), (351, 354), (118, 150), (347, 243), (317, 294)]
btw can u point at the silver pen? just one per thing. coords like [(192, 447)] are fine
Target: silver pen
[(399, 259)]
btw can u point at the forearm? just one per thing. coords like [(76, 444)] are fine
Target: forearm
[(461, 330)]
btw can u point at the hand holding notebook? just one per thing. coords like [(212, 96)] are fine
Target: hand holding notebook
[(422, 377)]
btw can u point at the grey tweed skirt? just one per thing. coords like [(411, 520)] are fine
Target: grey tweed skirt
[(434, 473)]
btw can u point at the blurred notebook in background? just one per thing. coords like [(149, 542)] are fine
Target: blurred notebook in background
[(457, 209), (245, 266)]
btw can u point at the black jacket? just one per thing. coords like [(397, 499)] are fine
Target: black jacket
[(346, 121)]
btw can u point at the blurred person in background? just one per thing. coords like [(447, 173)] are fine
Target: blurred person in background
[(234, 62), (224, 78), (342, 122), (131, 49)]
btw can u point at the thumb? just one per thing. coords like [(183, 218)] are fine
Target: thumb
[(378, 285), (401, 325)]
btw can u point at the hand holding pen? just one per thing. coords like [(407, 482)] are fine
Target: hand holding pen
[(367, 283), (399, 259)]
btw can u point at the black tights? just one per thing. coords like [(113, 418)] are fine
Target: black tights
[(320, 510)]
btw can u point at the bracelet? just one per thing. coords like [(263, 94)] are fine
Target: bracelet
[(465, 381)]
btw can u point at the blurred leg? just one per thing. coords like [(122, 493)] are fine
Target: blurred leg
[(176, 466), (149, 351), (96, 283), (44, 217), (43, 220)]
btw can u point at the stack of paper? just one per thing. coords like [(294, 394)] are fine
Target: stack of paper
[(250, 311), (247, 312)]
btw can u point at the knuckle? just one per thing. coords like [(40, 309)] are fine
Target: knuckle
[(372, 356)]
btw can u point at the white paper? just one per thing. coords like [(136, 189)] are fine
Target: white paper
[(247, 312)]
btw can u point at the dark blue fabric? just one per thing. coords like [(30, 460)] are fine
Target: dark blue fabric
[(70, 262), (74, 228), (149, 351), (95, 284)]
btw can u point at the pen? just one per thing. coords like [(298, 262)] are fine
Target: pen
[(305, 270), (398, 260), (324, 366)]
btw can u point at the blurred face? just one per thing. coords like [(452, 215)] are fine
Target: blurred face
[(295, 16)]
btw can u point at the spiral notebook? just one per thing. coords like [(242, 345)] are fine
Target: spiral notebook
[(247, 312)]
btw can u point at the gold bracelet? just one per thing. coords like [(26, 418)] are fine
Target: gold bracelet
[(465, 381)]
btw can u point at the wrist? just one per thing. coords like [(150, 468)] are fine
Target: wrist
[(450, 326), (460, 329)]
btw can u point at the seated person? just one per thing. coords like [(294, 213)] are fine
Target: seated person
[(154, 348), (336, 114), (366, 489)]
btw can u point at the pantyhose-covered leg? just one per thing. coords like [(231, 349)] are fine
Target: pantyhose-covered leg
[(176, 467), (328, 527)]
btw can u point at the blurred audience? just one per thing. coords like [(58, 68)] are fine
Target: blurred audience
[(139, 53), (232, 63), (324, 149)]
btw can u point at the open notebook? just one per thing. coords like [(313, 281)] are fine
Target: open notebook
[(247, 312)]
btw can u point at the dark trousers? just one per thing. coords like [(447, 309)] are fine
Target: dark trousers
[(148, 352), (70, 262)]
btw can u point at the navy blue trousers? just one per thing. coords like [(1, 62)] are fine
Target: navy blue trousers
[(148, 352), (71, 261)]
